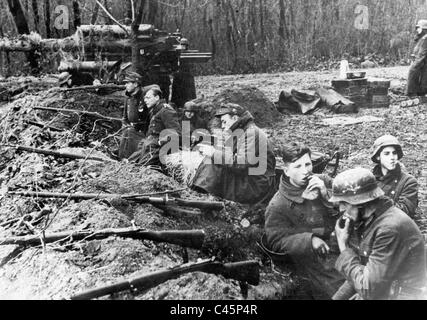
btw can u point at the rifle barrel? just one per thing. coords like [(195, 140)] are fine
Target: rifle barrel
[(186, 238), (58, 154), (242, 271)]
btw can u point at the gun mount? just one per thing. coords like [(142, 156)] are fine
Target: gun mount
[(106, 52)]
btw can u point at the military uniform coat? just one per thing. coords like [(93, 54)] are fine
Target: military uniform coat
[(136, 117), (386, 256), (290, 224), (231, 179), (401, 187), (163, 122), (417, 78)]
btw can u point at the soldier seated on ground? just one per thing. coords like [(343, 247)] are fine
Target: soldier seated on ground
[(398, 185), (241, 169), (197, 126), (163, 128), (135, 115), (382, 249), (299, 222), (75, 79)]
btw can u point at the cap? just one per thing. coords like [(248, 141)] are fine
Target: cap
[(231, 109), (133, 77)]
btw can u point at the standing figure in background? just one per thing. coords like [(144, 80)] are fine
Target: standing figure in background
[(417, 78), (398, 185)]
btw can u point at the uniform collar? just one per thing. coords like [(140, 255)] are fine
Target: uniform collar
[(291, 192), (156, 109), (391, 174)]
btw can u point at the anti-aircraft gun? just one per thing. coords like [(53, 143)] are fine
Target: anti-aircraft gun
[(106, 52)]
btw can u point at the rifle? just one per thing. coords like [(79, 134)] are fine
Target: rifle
[(88, 113), (247, 271), (165, 201), (187, 238), (57, 153)]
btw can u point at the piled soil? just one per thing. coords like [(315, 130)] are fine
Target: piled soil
[(60, 270), (256, 102)]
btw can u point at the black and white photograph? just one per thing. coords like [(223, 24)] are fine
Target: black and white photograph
[(214, 155)]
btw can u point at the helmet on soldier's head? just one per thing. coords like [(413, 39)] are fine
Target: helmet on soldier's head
[(422, 24), (132, 76), (63, 78), (357, 186), (383, 142), (190, 106)]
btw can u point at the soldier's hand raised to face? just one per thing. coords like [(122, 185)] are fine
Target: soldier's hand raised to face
[(317, 183)]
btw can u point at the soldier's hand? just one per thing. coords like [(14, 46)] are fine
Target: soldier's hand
[(342, 234), (320, 247), (207, 151), (317, 183)]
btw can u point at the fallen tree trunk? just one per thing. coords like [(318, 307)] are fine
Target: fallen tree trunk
[(187, 238)]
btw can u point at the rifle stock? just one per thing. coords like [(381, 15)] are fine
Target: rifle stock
[(187, 238), (247, 271)]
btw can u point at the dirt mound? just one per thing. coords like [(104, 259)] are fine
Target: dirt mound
[(258, 104)]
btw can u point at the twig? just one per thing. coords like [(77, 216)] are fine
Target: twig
[(133, 10), (112, 18)]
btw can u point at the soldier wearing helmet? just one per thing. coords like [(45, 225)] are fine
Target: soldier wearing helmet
[(382, 249), (398, 185), (417, 78)]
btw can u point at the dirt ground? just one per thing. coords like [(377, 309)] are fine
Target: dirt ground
[(60, 270)]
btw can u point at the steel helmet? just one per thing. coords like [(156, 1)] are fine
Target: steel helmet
[(356, 186), (190, 106), (386, 141), (422, 24), (64, 77)]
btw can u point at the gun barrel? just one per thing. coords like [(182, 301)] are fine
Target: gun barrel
[(186, 238), (242, 271), (58, 154)]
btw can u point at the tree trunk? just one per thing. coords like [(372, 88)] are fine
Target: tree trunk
[(261, 20), (77, 15), (47, 20), (22, 26), (137, 63)]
